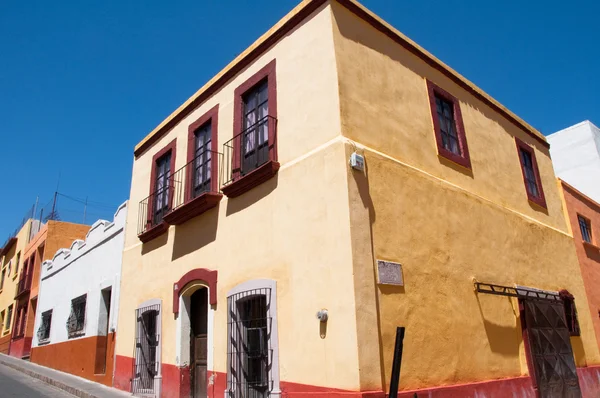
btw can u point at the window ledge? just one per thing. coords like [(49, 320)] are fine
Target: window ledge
[(193, 208), (254, 178), (44, 342), (458, 159), (154, 232), (537, 202), (590, 245)]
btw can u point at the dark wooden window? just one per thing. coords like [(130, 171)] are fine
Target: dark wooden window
[(531, 173), (586, 229), (445, 112), (255, 137), (202, 160), (2, 278), (17, 262), (9, 317), (161, 187), (43, 333), (76, 321), (448, 126)]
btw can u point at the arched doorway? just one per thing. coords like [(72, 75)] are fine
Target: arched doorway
[(194, 304)]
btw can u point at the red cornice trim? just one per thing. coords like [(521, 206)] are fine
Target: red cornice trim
[(464, 159), (539, 200), (211, 116), (198, 274)]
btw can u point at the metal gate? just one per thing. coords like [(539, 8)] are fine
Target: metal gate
[(549, 351), (146, 343)]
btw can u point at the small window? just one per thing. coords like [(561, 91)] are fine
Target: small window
[(570, 312), (448, 126), (9, 317), (43, 333), (2, 278), (8, 268), (255, 135), (76, 321), (586, 229), (2, 315), (531, 173), (17, 263)]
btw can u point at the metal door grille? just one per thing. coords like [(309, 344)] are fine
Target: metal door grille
[(550, 352), (250, 354), (146, 343)]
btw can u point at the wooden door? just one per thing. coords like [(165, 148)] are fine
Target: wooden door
[(549, 351), (198, 343)]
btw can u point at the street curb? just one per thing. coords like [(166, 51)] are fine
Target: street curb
[(62, 386)]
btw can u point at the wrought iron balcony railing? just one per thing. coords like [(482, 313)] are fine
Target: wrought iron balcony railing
[(251, 149), (199, 176), (24, 284), (153, 208)]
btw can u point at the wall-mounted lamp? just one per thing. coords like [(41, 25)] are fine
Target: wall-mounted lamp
[(323, 315)]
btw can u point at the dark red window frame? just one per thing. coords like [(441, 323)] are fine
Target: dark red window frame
[(242, 183), (212, 117), (464, 158), (540, 200), (170, 147)]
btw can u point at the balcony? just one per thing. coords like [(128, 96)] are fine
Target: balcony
[(151, 214), (251, 157), (195, 188), (24, 285)]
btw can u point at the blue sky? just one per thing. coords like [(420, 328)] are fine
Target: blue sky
[(82, 82)]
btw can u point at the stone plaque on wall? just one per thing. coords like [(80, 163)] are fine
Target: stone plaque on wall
[(389, 273)]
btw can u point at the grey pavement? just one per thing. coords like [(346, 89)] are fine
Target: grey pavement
[(53, 379), (14, 384)]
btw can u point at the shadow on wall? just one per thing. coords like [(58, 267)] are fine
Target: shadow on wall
[(503, 339), (252, 196), (155, 243), (195, 233), (578, 351), (592, 253), (456, 167), (362, 185)]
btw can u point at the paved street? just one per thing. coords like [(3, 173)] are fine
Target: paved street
[(14, 384)]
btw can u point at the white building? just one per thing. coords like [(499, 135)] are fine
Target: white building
[(575, 153), (76, 317)]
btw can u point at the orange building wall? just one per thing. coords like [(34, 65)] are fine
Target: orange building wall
[(79, 357), (4, 344), (589, 255)]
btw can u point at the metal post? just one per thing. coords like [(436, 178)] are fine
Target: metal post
[(52, 216), (395, 379)]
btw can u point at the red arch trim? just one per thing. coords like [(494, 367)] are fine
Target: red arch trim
[(198, 274)]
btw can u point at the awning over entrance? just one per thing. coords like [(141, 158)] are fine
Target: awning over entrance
[(518, 291)]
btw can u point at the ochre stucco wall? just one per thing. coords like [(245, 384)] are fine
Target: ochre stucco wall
[(7, 294), (589, 255), (446, 225), (293, 228)]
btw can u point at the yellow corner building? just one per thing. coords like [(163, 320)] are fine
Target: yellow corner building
[(334, 184)]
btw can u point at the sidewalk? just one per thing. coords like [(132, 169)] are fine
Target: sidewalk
[(72, 384)]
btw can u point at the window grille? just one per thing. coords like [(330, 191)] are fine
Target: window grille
[(445, 111), (43, 333), (76, 320), (586, 230), (250, 353), (146, 345), (530, 179)]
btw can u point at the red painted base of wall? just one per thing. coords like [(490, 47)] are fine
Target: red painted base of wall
[(4, 344), (20, 347), (175, 384), (83, 357)]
